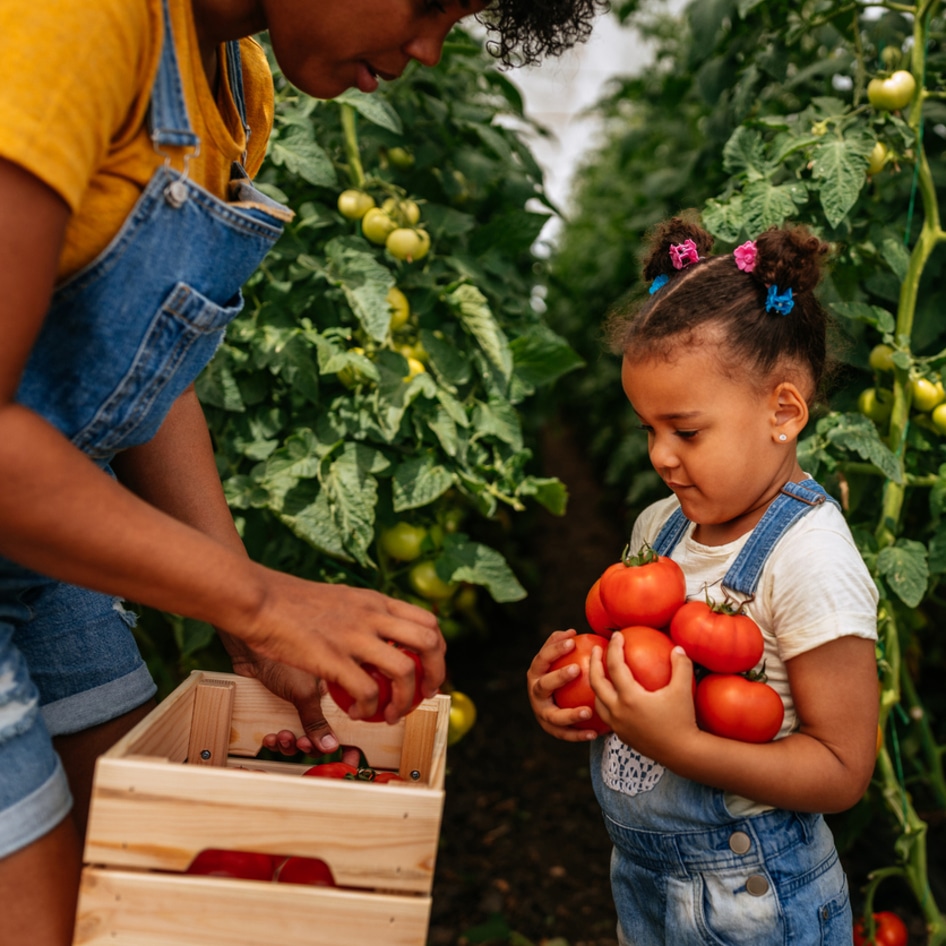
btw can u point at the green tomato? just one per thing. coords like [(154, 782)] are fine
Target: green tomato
[(414, 368), (877, 159), (428, 584), (404, 212), (892, 93), (926, 393), (403, 541), (400, 308), (938, 416), (405, 243), (881, 358), (350, 375), (376, 225), (400, 158), (875, 403), (462, 717), (354, 204)]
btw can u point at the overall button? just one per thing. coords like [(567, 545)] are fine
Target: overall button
[(175, 193), (739, 842), (757, 885)]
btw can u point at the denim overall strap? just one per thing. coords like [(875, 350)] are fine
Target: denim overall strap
[(167, 117), (672, 532), (794, 501)]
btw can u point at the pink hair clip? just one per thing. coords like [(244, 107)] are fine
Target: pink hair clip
[(745, 256), (682, 254)]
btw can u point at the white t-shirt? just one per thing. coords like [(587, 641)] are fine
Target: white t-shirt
[(813, 589)]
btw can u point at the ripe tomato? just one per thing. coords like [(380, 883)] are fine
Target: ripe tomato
[(716, 637), (647, 653), (598, 619), (892, 93), (305, 870), (354, 204), (730, 705), (578, 692), (246, 865), (331, 770), (643, 589), (403, 541), (345, 700), (889, 930)]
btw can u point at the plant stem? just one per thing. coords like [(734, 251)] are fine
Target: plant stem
[(356, 171)]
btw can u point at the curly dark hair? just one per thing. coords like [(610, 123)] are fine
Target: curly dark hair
[(714, 291), (522, 32)]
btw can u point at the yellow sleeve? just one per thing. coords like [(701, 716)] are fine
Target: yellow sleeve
[(258, 81), (76, 78)]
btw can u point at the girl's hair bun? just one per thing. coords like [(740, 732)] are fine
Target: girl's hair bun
[(789, 257), (675, 231)]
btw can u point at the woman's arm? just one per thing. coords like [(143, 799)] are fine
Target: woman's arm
[(825, 766)]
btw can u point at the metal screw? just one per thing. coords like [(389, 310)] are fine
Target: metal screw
[(415, 775), (205, 754)]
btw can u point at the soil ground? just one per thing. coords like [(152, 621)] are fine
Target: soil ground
[(524, 854)]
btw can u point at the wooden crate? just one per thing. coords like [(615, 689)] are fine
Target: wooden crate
[(186, 779)]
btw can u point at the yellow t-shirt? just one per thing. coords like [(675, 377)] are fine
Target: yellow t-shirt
[(74, 93)]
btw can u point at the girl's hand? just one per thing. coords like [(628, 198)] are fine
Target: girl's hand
[(562, 723), (648, 721)]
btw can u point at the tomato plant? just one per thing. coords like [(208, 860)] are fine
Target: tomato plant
[(647, 653), (889, 930), (305, 870), (731, 705), (246, 865), (717, 637), (642, 589), (578, 692), (893, 92)]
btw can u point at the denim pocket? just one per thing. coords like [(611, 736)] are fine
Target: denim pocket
[(176, 345)]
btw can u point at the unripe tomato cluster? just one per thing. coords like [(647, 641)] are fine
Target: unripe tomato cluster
[(394, 225), (927, 393), (644, 596)]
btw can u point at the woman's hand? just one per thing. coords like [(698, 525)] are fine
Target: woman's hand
[(647, 720), (562, 723)]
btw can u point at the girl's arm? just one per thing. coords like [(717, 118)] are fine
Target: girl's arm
[(61, 515), (825, 766)]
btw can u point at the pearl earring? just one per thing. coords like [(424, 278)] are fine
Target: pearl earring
[(782, 437)]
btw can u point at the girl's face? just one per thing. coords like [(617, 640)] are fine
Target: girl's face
[(714, 440), (326, 47)]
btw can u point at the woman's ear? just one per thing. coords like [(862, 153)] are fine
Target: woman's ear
[(789, 412)]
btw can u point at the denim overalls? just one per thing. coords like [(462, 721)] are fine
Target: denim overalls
[(123, 338), (687, 872)]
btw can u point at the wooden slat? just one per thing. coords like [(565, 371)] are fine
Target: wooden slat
[(121, 908), (210, 723)]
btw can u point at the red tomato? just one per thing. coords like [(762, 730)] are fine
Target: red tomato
[(717, 638), (890, 930), (643, 589), (730, 705), (385, 776), (598, 619), (305, 870), (332, 770), (578, 692), (647, 653), (345, 701), (246, 865)]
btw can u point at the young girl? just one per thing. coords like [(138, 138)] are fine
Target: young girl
[(129, 132), (717, 840)]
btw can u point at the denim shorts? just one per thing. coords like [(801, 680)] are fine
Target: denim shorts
[(68, 661)]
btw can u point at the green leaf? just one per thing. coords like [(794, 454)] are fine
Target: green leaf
[(857, 433), (767, 205), (296, 149), (314, 523), (473, 311), (744, 154), (364, 281), (419, 481), (499, 418), (839, 165), (463, 560), (904, 567), (375, 108), (937, 551), (862, 312), (548, 491), (541, 356), (896, 256), (216, 385)]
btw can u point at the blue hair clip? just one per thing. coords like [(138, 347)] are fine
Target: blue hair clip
[(659, 283), (779, 302)]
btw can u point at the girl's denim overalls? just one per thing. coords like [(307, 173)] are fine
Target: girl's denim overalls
[(684, 870), (121, 341)]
